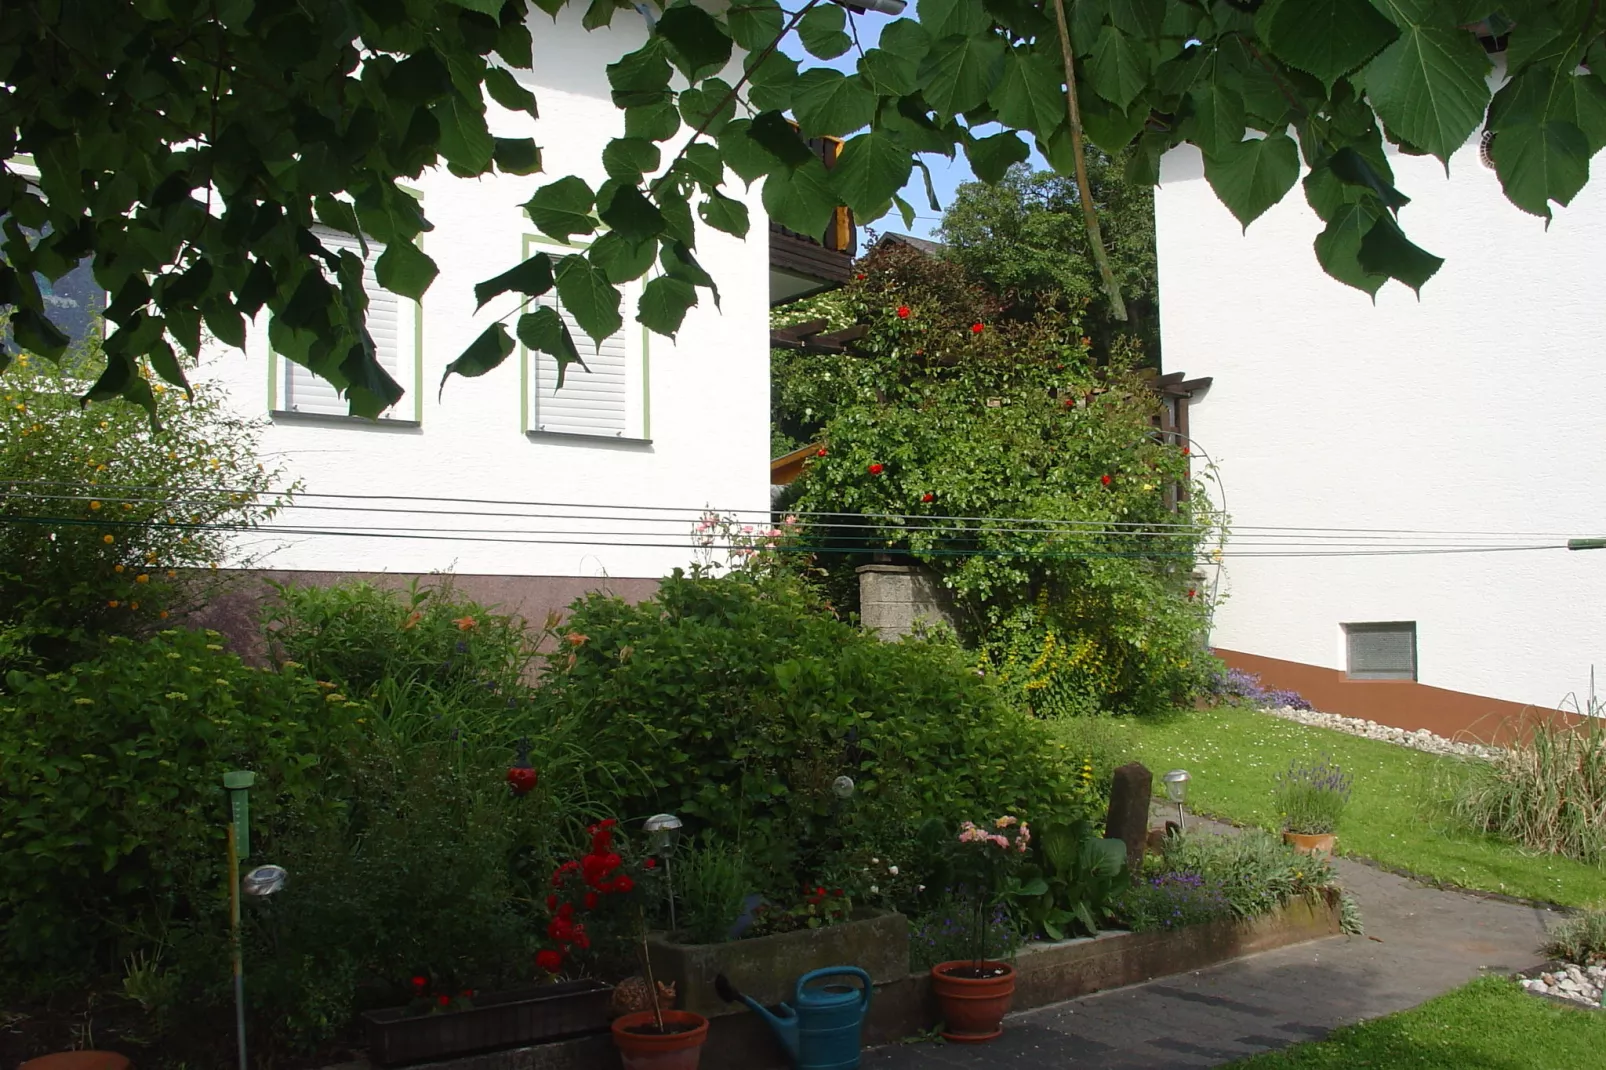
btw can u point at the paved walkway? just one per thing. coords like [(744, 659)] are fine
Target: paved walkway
[(1421, 942)]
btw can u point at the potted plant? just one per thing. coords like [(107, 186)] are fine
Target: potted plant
[(974, 993), (1311, 799), (601, 887)]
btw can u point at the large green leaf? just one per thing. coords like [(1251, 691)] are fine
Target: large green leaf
[(628, 158), (641, 77), (1140, 18), (1217, 119), (531, 278), (949, 18), (1387, 251), (1118, 67), (1327, 38), (1429, 86), (699, 43), (821, 31), (487, 351), (906, 38), (620, 258), (748, 156), (1540, 163), (801, 198), (1031, 93), (959, 73), (770, 84), (663, 304), (1109, 127), (1338, 248), (991, 156), (724, 213), (404, 269), (590, 298), (465, 140), (708, 106), (1251, 176), (562, 209), (871, 169), (829, 103), (506, 91), (544, 331), (888, 73), (755, 23), (631, 215)]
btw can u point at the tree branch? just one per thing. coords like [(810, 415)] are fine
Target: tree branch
[(1090, 214)]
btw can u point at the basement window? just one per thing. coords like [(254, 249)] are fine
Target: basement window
[(1381, 650)]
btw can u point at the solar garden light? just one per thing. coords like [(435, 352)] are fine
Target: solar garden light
[(1176, 789), (842, 787), (663, 834)]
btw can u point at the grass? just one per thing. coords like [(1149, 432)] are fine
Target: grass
[(1396, 816), (1490, 1024)]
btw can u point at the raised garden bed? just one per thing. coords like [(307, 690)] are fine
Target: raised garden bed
[(767, 967), (511, 1019)]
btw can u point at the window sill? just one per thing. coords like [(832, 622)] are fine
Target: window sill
[(618, 441), (331, 420)]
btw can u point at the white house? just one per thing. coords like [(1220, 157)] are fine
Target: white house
[(1388, 466), (529, 494)]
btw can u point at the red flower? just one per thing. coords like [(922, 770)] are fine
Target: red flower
[(551, 903), (903, 312), (468, 993), (566, 911), (976, 328), (420, 983), (560, 929), (623, 884), (861, 278), (1070, 403), (1105, 480), (820, 452), (928, 497), (875, 469), (591, 900), (548, 960), (521, 779), (651, 863), (836, 892), (444, 1001), (1192, 592)]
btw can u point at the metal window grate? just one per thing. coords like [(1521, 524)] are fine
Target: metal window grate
[(1381, 650)]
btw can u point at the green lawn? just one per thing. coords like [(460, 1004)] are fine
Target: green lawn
[(1490, 1024), (1235, 753)]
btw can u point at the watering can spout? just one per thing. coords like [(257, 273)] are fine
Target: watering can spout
[(783, 1022)]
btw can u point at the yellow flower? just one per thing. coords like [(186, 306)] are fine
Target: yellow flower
[(117, 568), (1148, 486), (94, 505), (133, 605), (108, 539), (142, 578), (112, 603), (171, 574), (162, 614)]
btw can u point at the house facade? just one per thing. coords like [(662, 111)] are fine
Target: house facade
[(532, 495), (1402, 477)]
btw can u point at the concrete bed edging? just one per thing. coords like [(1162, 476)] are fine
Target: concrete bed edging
[(1045, 973)]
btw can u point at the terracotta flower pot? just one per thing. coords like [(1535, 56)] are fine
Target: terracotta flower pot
[(1319, 844), (649, 1050), (973, 1008)]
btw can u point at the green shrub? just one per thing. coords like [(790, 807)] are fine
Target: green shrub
[(112, 808), (1254, 869), (1580, 938), (108, 527), (711, 889), (742, 702), (1311, 798), (1547, 792)]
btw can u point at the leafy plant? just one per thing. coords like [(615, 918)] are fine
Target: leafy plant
[(988, 873), (1580, 938), (1081, 873), (1254, 869), (1547, 791), (1171, 900), (948, 931), (815, 909), (108, 527), (1311, 798), (711, 887)]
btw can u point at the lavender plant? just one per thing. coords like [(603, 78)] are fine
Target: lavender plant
[(1236, 683), (1172, 900), (1311, 798)]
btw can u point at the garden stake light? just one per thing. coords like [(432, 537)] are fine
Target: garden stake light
[(663, 833), (1176, 789)]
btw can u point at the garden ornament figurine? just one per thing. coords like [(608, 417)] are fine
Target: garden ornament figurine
[(820, 1028)]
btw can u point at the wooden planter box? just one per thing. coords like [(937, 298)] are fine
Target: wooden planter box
[(508, 1019), (767, 967)]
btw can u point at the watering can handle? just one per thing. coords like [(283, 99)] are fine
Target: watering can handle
[(837, 971)]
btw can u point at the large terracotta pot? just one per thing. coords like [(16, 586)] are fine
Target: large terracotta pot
[(1319, 844), (973, 1008), (660, 1051)]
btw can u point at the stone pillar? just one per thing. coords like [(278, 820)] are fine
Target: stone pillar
[(893, 597), (1128, 822)]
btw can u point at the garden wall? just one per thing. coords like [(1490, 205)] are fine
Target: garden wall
[(1046, 973)]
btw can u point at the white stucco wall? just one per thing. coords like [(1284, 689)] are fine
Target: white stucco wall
[(708, 392), (1477, 408)]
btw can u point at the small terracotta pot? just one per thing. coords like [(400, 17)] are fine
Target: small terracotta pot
[(1319, 844), (654, 1051), (973, 1008)]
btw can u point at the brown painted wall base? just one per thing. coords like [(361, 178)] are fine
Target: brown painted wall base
[(1046, 973), (1400, 703)]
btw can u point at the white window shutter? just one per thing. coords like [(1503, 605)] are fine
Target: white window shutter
[(391, 322), (595, 399)]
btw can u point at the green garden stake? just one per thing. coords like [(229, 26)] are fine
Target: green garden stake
[(239, 787), (239, 832)]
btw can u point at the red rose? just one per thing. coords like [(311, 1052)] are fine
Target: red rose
[(976, 328), (1105, 480), (582, 941), (444, 1001), (549, 960), (566, 911), (551, 903), (875, 469), (928, 497), (1192, 592), (903, 312), (420, 983), (1184, 451), (521, 779), (651, 863), (836, 892), (861, 278), (591, 900), (623, 884)]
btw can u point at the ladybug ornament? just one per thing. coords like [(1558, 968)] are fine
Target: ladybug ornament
[(521, 776)]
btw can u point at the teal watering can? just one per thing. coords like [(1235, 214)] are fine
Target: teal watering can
[(822, 1032)]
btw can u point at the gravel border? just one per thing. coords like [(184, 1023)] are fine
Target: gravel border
[(1421, 739), (1567, 983)]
